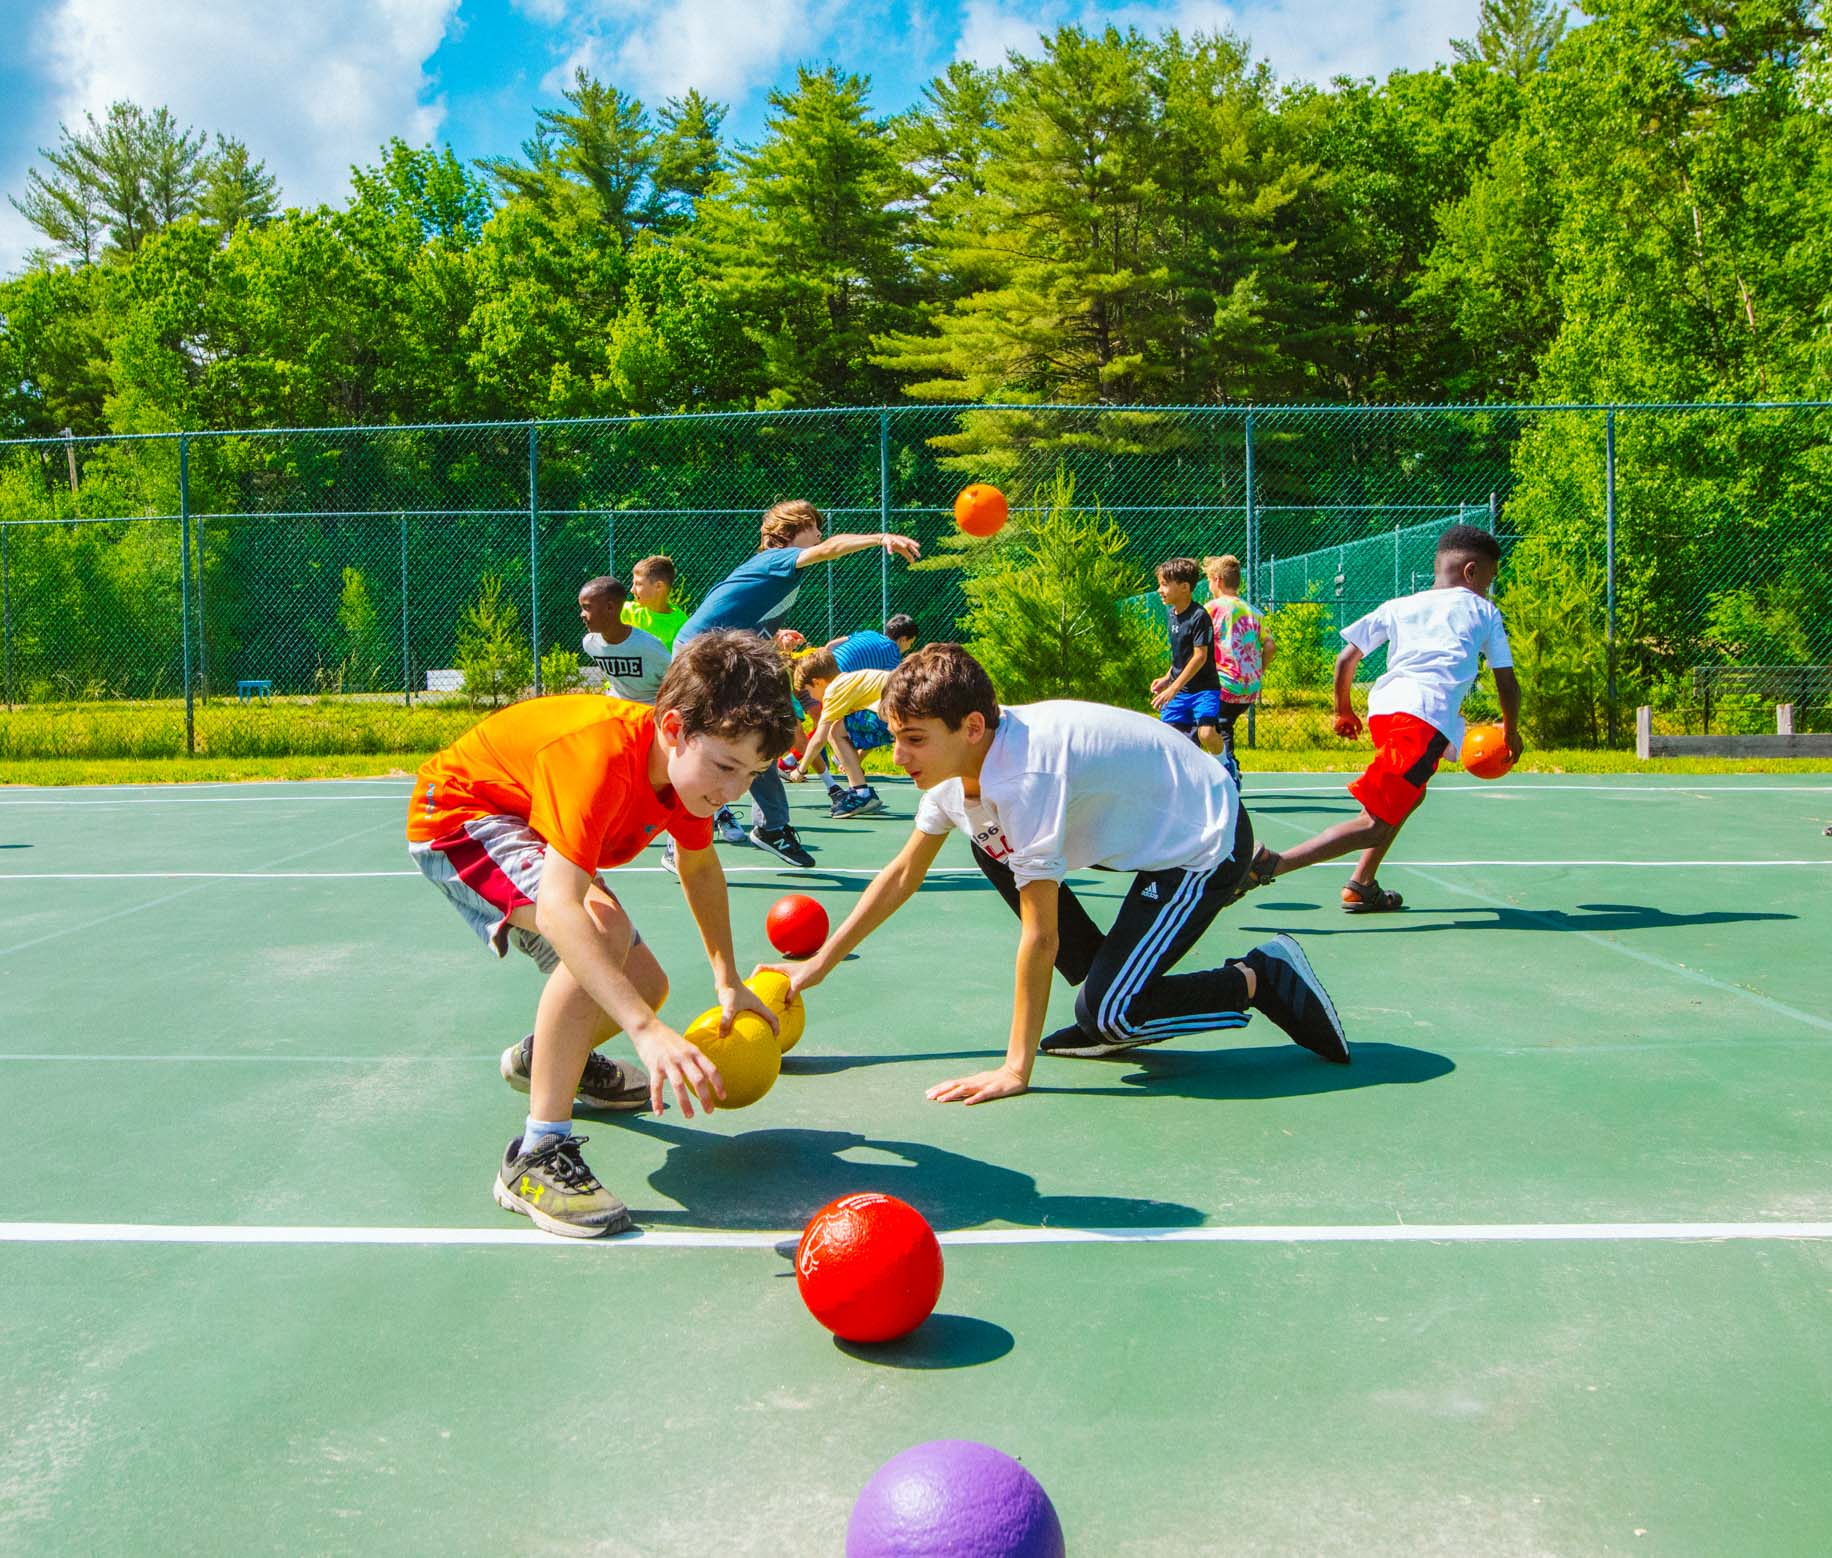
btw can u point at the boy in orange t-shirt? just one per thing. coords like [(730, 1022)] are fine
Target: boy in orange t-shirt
[(513, 823)]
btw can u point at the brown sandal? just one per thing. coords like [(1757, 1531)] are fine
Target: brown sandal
[(1368, 898)]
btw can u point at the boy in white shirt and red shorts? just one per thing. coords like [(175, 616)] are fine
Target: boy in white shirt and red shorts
[(1436, 642), (1045, 789)]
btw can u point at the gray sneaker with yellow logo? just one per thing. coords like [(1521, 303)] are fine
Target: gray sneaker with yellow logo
[(553, 1186)]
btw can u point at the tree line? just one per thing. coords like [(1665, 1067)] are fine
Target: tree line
[(1637, 207)]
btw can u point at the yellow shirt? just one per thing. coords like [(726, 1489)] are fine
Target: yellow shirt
[(854, 690)]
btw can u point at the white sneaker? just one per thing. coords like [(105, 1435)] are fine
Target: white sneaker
[(729, 828), (669, 863)]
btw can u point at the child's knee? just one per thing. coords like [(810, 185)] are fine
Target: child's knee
[(1090, 1018)]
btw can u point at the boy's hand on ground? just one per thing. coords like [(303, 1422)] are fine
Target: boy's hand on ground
[(906, 547), (980, 1088), (1348, 726), (671, 1060), (742, 998)]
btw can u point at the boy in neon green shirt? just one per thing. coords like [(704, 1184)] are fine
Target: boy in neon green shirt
[(649, 607)]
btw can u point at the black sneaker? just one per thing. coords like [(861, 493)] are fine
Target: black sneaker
[(869, 801), (1290, 993), (849, 803), (1076, 1042), (555, 1188), (607, 1083), (782, 843)]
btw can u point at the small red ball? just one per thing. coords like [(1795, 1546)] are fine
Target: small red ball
[(869, 1267), (796, 926)]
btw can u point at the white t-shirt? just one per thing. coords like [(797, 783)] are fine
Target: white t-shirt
[(1436, 641), (1070, 785), (632, 667)]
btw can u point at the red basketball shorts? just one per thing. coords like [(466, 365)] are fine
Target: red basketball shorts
[(1406, 754)]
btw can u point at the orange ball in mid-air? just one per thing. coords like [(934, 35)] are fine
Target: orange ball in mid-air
[(1485, 752), (979, 510)]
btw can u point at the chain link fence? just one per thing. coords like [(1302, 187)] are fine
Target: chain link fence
[(1646, 547)]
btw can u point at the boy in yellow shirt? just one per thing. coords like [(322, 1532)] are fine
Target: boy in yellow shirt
[(849, 709)]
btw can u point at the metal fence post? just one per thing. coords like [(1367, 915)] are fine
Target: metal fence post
[(203, 617), (184, 588), (884, 515), (1252, 557), (406, 657), (534, 553), (6, 615), (1609, 566)]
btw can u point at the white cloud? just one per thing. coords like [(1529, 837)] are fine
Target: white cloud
[(1302, 42), (660, 48), (312, 88)]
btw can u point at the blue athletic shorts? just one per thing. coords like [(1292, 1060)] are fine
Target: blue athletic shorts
[(865, 730), (1189, 709)]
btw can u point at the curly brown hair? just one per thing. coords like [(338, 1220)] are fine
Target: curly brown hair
[(730, 684)]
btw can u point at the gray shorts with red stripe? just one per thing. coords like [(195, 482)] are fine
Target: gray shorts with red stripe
[(487, 870)]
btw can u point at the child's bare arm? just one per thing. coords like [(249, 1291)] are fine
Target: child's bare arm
[(1037, 943), (703, 886), (1162, 695), (906, 547), (1348, 723), (1507, 694), (561, 915)]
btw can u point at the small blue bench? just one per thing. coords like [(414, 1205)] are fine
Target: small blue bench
[(254, 687)]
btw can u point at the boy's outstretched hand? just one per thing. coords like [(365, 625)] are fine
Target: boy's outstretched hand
[(801, 976), (906, 547), (980, 1088), (671, 1060)]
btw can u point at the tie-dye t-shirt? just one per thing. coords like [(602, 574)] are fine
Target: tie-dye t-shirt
[(1239, 656)]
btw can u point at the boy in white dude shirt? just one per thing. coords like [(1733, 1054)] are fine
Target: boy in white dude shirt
[(1044, 789), (1436, 642), (632, 660)]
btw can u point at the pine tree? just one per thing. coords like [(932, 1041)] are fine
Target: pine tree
[(236, 189), (1515, 37)]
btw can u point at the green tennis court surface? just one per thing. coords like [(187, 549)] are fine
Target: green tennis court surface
[(1548, 1270)]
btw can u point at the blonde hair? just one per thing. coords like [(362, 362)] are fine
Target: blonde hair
[(1223, 571), (783, 522)]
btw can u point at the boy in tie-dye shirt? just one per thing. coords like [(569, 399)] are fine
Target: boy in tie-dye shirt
[(1243, 649)]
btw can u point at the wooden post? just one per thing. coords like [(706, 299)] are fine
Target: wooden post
[(1644, 731), (1784, 719)]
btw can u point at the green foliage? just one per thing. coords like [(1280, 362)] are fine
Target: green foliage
[(1305, 658), (87, 732), (497, 664), (1553, 602), (1048, 613), (560, 670), (360, 668)]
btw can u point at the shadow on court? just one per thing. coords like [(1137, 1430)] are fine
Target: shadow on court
[(780, 1178), (1593, 917), (826, 1065), (1264, 1071), (832, 882), (940, 1342)]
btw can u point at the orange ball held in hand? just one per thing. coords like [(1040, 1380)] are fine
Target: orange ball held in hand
[(796, 926), (980, 510), (869, 1267), (1485, 752)]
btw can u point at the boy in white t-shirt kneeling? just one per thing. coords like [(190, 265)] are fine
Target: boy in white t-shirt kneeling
[(1045, 789), (1436, 641)]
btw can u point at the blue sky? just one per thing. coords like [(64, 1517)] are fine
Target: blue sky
[(315, 85)]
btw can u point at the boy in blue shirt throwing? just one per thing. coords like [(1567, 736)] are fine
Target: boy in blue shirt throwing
[(1188, 695), (755, 596)]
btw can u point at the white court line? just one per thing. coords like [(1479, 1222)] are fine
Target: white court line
[(1631, 789), (1377, 1233), (357, 876)]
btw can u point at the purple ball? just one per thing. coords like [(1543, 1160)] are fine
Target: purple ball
[(952, 1498)]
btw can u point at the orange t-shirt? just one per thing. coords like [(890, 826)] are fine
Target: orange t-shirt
[(576, 767)]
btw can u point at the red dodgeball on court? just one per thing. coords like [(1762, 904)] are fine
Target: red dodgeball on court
[(979, 510), (869, 1267), (796, 926), (1485, 752)]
